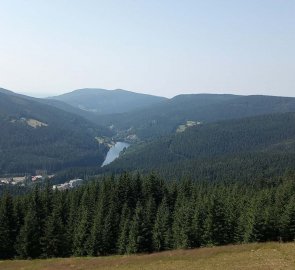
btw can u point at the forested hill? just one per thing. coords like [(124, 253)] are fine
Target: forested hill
[(260, 143), (35, 135), (101, 101), (165, 117)]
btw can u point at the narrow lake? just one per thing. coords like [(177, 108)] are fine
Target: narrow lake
[(114, 152)]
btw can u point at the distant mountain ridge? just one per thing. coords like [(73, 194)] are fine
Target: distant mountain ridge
[(54, 134), (148, 117), (164, 118), (103, 101)]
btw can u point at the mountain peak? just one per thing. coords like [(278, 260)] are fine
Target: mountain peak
[(104, 101)]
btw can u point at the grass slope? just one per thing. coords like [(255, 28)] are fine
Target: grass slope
[(250, 256)]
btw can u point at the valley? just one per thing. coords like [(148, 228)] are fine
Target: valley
[(147, 135), (188, 172), (164, 134)]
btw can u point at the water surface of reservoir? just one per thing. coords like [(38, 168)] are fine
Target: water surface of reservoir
[(114, 152)]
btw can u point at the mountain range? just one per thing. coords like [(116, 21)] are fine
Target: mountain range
[(195, 133)]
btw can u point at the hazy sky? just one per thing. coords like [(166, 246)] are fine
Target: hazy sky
[(162, 47)]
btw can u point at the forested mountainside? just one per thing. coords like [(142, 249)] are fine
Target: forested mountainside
[(235, 148), (101, 101), (133, 214), (176, 137), (164, 118), (213, 182), (35, 135)]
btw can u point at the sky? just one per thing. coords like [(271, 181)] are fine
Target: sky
[(159, 47)]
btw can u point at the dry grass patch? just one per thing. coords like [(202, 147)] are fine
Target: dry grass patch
[(35, 123), (250, 256)]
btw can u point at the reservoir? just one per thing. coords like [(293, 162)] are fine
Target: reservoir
[(114, 152)]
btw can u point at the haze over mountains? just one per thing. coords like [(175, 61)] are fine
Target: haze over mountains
[(76, 129)]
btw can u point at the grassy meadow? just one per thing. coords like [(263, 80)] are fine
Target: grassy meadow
[(248, 256)]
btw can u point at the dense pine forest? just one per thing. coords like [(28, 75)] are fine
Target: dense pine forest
[(141, 214), (237, 150)]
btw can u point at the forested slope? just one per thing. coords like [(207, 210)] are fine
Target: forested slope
[(261, 144), (38, 136), (165, 117), (134, 214)]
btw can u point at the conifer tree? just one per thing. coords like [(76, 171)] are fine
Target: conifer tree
[(288, 221), (161, 230), (29, 245), (54, 242), (29, 239), (207, 235), (245, 223), (137, 233), (81, 234), (123, 230), (110, 230), (7, 227), (219, 221), (182, 223), (94, 243), (82, 231), (198, 219), (150, 212)]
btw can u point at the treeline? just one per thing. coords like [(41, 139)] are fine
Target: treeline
[(243, 168), (133, 214)]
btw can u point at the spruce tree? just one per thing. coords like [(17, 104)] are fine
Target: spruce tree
[(219, 221), (288, 221), (138, 233), (110, 230), (29, 239), (161, 229), (182, 223), (7, 228), (82, 233), (207, 236), (95, 243), (150, 212), (54, 242), (29, 244), (123, 230)]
